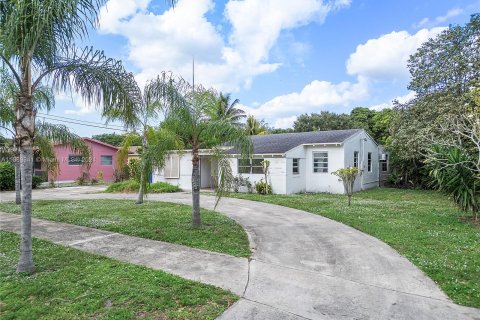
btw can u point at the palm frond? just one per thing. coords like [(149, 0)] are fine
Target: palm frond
[(48, 135), (42, 29), (100, 81)]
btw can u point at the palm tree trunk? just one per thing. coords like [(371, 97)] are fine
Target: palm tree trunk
[(141, 191), (196, 220), (18, 184), (25, 134)]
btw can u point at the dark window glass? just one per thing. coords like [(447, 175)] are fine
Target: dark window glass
[(296, 166), (106, 160), (75, 160)]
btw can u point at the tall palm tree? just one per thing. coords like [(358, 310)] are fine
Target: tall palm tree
[(225, 109), (37, 44), (157, 96), (254, 127), (46, 134), (191, 122)]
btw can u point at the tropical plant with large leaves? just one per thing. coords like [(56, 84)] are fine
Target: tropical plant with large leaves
[(157, 143), (453, 172), (191, 121), (224, 108), (156, 99), (37, 45), (254, 127), (46, 135)]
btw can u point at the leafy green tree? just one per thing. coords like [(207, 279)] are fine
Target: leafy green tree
[(117, 140), (37, 44), (381, 125), (190, 121), (444, 71), (325, 120), (225, 109), (280, 130), (449, 62), (362, 118)]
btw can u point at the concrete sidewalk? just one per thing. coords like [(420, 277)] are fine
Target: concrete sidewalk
[(217, 269), (304, 267)]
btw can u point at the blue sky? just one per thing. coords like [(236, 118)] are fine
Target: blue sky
[(280, 58)]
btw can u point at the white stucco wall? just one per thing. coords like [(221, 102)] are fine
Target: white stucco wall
[(324, 181), (185, 180), (364, 144), (276, 177), (296, 183)]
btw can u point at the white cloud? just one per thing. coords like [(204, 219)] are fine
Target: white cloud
[(315, 96), (169, 40), (80, 107), (452, 13), (385, 58), (388, 105), (284, 123)]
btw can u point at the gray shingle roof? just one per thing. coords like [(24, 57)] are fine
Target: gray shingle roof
[(281, 143)]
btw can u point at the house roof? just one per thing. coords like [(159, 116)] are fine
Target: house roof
[(281, 143), (100, 142)]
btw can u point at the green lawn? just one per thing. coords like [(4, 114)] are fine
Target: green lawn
[(424, 226), (152, 220), (71, 284)]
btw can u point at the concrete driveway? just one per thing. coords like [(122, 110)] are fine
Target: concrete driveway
[(305, 266)]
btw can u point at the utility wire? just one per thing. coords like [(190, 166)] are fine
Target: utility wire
[(78, 120), (87, 125)]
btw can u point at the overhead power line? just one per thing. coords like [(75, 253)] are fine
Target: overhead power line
[(79, 120), (86, 124)]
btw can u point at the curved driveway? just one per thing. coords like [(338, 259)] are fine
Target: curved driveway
[(305, 266)]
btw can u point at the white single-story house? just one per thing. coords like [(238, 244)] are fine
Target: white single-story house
[(299, 162)]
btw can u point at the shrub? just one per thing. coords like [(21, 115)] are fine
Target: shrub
[(83, 179), (163, 187), (454, 173), (94, 181), (263, 188), (133, 186), (36, 181), (134, 169), (240, 181), (348, 177), (124, 186), (7, 176)]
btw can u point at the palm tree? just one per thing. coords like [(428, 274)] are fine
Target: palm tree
[(46, 134), (190, 120), (156, 98), (254, 127), (37, 43), (224, 109)]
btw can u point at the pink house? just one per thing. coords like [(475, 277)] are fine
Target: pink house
[(104, 161)]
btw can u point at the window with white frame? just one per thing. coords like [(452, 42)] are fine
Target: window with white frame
[(320, 161), (106, 160), (369, 162), (355, 159), (172, 167), (296, 166), (250, 166)]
